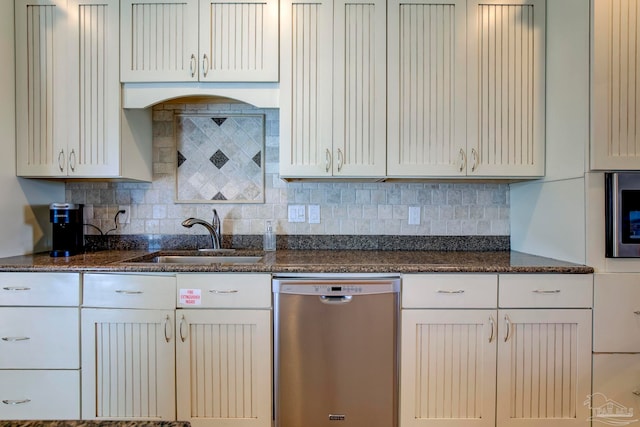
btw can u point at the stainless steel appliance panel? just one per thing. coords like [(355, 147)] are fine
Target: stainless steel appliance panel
[(336, 353)]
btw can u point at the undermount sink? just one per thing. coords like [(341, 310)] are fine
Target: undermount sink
[(188, 259)]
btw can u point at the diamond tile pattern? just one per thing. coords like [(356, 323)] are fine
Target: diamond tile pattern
[(220, 159)]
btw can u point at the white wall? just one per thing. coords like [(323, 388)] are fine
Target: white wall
[(548, 216), (23, 203)]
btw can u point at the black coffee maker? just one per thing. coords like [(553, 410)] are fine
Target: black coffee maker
[(68, 231)]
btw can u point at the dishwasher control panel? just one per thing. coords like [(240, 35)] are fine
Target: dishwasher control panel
[(336, 287)]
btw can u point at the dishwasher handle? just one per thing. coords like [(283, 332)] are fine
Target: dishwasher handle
[(335, 299)]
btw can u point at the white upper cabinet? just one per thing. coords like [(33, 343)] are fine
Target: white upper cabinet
[(40, 87), (199, 40), (466, 88), (427, 88), (333, 89), (70, 123), (615, 104)]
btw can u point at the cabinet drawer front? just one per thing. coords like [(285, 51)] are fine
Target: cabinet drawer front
[(129, 291), (40, 289), (39, 338), (546, 290), (224, 290), (616, 313), (43, 395), (449, 290)]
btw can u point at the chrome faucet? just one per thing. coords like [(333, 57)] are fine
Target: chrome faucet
[(214, 229)]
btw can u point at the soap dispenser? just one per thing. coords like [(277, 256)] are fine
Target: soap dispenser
[(269, 238)]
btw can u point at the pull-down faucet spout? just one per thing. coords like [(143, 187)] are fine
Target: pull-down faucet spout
[(214, 228)]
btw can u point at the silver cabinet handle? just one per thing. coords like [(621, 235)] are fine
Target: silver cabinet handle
[(15, 339), (16, 288), (636, 392), (442, 291), (125, 292), (474, 157), (183, 322), (340, 160), (193, 65), (463, 160), (223, 291), (637, 312), (544, 291), (507, 323), (61, 160), (72, 160), (205, 65), (327, 161), (167, 328), (16, 402), (493, 328)]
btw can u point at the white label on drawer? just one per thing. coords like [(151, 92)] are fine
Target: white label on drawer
[(191, 296)]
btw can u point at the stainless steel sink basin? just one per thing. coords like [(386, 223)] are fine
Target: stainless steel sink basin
[(189, 259)]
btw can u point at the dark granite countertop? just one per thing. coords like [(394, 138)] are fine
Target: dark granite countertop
[(304, 261)]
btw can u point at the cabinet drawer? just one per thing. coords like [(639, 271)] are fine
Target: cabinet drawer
[(616, 313), (546, 290), (39, 338), (129, 291), (449, 290), (39, 395), (40, 289), (237, 290)]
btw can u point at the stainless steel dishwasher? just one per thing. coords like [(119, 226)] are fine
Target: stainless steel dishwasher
[(336, 351)]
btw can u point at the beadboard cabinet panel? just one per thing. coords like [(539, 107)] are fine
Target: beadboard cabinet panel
[(224, 367), (615, 107), (159, 40), (128, 364), (427, 87), (449, 368), (333, 90), (40, 86), (506, 88), (306, 88), (545, 367)]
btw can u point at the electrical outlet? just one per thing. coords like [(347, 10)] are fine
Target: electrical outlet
[(124, 218), (414, 215), (314, 214)]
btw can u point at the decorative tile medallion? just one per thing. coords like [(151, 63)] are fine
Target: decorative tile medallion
[(220, 158)]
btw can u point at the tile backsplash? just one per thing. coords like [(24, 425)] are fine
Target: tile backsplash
[(346, 208)]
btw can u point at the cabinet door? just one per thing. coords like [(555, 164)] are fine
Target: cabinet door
[(448, 368), (616, 388), (41, 121), (239, 40), (94, 99), (224, 367), (545, 367), (427, 88), (359, 88), (159, 40), (128, 364), (506, 88), (615, 105), (306, 43), (616, 313)]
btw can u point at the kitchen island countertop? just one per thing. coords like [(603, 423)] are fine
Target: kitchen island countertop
[(303, 261)]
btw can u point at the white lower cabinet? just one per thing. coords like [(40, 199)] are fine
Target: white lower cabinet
[(223, 350), (128, 347), (616, 346), (475, 366), (224, 367), (39, 346)]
